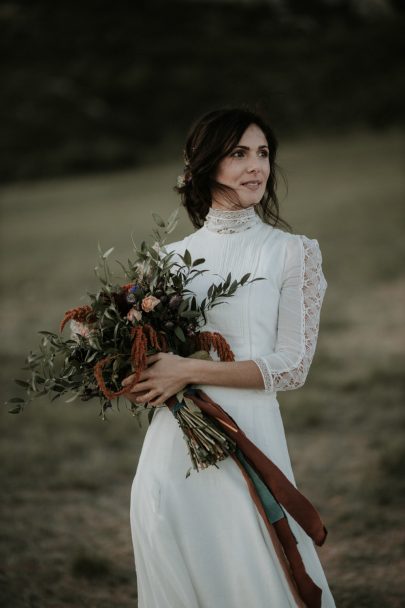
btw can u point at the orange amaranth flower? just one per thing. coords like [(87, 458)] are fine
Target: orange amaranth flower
[(206, 340), (98, 373)]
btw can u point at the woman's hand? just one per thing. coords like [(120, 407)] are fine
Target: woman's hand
[(165, 376)]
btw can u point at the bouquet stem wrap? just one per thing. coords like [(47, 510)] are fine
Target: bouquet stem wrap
[(269, 489)]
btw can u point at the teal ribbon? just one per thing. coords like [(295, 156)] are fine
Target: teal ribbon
[(181, 404), (272, 508), (178, 407)]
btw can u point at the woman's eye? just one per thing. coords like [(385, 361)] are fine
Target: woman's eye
[(262, 153)]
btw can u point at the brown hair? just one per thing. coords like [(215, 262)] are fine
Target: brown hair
[(210, 139)]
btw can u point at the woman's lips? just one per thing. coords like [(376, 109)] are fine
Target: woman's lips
[(252, 185)]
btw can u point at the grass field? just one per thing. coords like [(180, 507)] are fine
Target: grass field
[(66, 475)]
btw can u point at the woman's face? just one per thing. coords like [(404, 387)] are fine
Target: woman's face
[(246, 169)]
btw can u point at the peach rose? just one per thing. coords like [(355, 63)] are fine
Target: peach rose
[(149, 303), (134, 315)]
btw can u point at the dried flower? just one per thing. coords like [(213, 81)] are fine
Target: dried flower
[(81, 314), (76, 327)]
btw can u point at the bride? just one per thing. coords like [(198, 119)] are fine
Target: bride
[(200, 542)]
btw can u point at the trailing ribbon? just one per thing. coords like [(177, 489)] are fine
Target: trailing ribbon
[(270, 489)]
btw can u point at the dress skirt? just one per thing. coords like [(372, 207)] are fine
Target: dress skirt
[(199, 542)]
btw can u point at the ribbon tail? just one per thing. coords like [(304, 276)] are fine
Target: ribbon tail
[(305, 592), (309, 591), (297, 505)]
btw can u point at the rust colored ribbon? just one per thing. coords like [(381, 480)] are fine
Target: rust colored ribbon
[(299, 507)]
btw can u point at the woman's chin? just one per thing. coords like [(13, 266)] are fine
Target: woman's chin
[(251, 201)]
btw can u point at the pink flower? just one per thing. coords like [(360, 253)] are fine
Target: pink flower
[(149, 303), (134, 315)]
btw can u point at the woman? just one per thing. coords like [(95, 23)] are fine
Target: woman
[(200, 542)]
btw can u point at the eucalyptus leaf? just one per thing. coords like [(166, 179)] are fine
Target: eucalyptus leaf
[(73, 398), (159, 221), (179, 333), (150, 415), (22, 383), (187, 257), (107, 253), (198, 261), (172, 221), (15, 410)]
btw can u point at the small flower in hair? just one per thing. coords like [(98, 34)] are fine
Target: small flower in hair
[(181, 182)]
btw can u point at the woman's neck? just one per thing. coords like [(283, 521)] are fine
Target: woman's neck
[(226, 221)]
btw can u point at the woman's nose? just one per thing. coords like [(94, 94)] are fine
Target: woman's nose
[(253, 165)]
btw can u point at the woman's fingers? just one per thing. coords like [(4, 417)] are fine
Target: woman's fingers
[(136, 398), (145, 374), (158, 401), (142, 387), (146, 398), (129, 379), (153, 358), (149, 396)]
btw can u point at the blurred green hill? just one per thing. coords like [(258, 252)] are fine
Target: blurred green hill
[(99, 86)]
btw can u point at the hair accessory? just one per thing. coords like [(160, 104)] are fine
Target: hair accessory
[(182, 180)]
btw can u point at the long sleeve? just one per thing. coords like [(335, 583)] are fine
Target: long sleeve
[(301, 296)]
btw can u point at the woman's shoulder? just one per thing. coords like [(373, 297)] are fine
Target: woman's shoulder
[(281, 239), (295, 249), (294, 241)]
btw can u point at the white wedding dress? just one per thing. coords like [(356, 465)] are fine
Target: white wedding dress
[(200, 542)]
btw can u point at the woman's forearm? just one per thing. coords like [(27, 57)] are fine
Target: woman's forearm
[(237, 374)]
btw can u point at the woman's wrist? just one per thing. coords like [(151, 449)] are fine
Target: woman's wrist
[(237, 374), (191, 370)]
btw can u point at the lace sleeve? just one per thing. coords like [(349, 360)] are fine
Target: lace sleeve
[(301, 298)]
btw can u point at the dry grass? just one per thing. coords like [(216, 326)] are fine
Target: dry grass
[(66, 475)]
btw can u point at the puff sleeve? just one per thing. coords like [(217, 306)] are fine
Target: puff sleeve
[(301, 296)]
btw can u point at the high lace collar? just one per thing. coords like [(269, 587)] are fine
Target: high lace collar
[(227, 222)]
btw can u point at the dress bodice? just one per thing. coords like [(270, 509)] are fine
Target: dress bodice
[(274, 321)]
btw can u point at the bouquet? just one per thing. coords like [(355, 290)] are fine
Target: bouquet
[(152, 309)]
